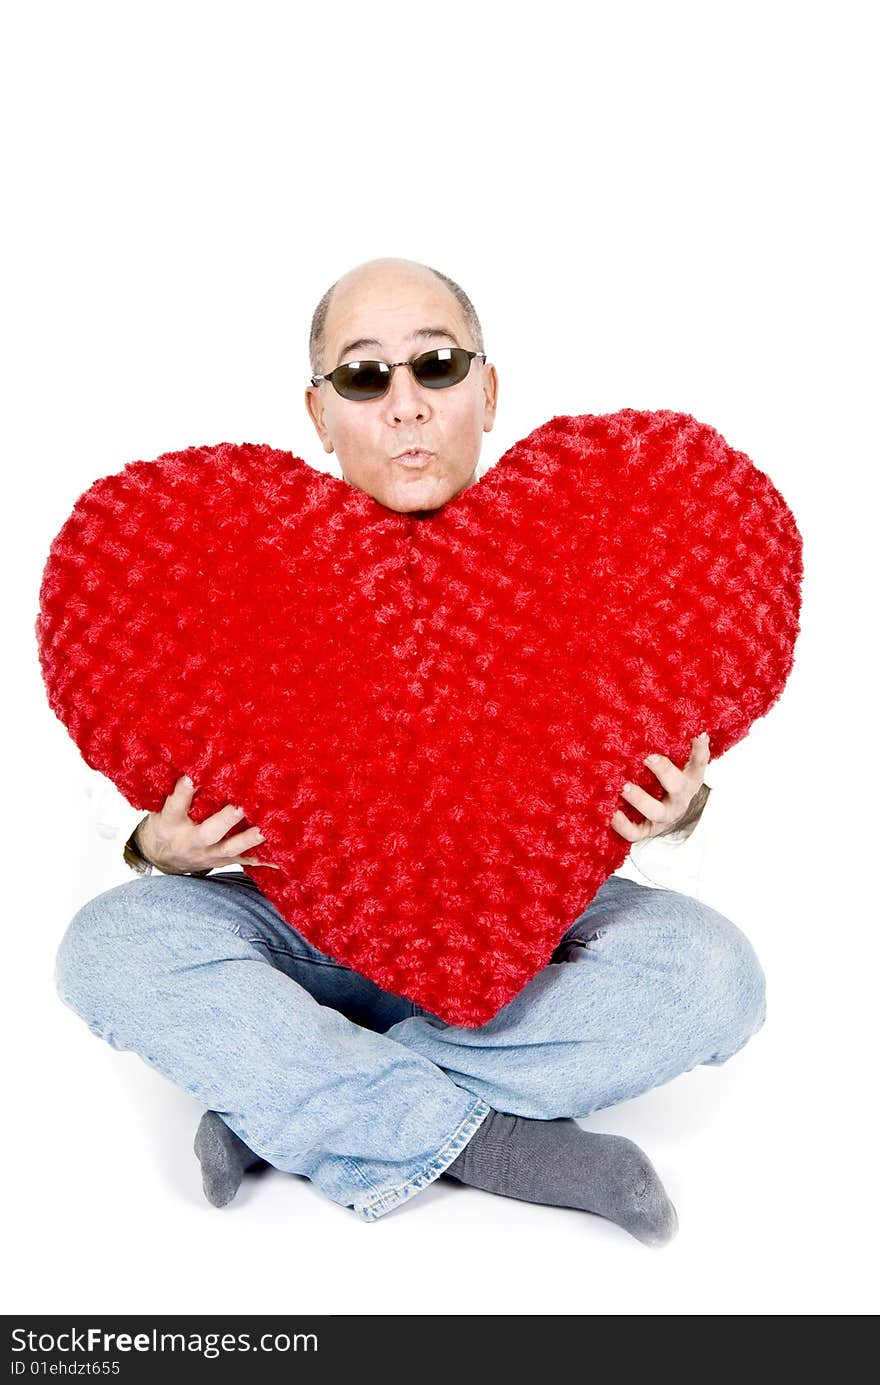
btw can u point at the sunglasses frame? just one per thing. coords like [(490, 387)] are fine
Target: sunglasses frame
[(391, 365)]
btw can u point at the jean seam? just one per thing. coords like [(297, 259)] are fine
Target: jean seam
[(354, 1167), (385, 1202), (297, 956)]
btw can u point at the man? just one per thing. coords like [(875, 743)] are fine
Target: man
[(308, 1066)]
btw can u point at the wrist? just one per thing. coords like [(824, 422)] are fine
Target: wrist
[(685, 825), (133, 852), (138, 835)]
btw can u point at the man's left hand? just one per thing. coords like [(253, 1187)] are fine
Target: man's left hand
[(662, 814)]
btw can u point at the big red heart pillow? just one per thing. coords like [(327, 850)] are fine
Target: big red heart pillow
[(431, 716)]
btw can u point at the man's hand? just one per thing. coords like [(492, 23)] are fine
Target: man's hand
[(175, 844), (681, 785)]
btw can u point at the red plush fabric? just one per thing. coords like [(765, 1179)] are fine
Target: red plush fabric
[(429, 716)]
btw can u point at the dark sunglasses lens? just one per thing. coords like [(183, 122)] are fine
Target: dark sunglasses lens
[(446, 366), (361, 379)]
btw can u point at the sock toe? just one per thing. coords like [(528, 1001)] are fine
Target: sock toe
[(660, 1232), (654, 1221)]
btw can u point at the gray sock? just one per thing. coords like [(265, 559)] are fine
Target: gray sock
[(223, 1157), (557, 1163)]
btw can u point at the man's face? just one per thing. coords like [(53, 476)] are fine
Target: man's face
[(391, 306)]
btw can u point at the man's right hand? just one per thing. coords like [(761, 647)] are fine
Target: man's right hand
[(172, 842)]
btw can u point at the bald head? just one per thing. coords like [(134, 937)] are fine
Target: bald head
[(393, 271), (391, 310)]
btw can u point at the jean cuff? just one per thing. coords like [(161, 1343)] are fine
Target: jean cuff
[(378, 1206)]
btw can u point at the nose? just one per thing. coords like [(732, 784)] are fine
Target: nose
[(405, 397)]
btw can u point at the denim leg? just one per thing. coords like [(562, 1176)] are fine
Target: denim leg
[(205, 981), (647, 985)]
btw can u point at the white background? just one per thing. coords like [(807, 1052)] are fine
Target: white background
[(656, 206)]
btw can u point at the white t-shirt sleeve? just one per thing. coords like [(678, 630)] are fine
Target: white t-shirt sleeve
[(670, 863)]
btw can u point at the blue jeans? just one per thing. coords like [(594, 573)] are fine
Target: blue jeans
[(325, 1075)]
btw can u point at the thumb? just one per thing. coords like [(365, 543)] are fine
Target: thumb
[(178, 801)]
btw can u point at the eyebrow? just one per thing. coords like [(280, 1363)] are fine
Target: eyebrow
[(421, 334)]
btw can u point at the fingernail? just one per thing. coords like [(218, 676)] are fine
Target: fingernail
[(260, 837)]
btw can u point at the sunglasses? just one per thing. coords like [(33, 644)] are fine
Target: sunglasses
[(436, 370)]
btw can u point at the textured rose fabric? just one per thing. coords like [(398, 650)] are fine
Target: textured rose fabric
[(429, 716)]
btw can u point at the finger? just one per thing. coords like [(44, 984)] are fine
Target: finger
[(695, 769), (218, 824), (678, 783), (249, 861), (699, 756), (230, 846), (649, 807), (176, 805), (670, 776), (632, 831)]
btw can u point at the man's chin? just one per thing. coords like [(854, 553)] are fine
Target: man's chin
[(417, 499), (416, 495)]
